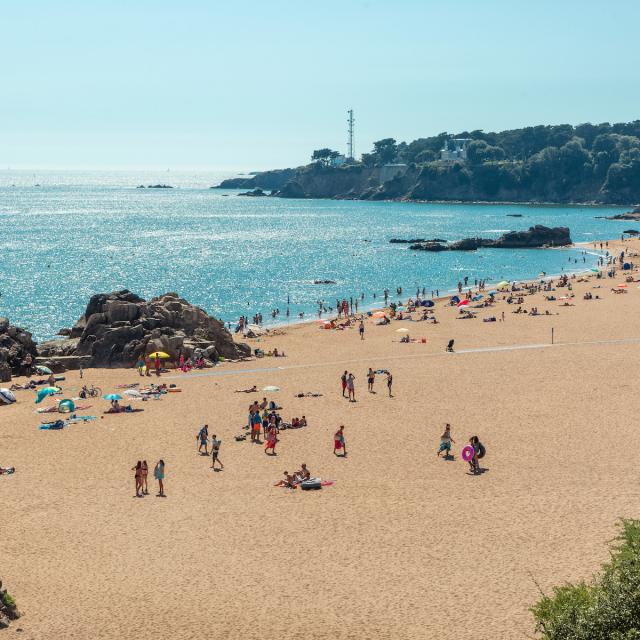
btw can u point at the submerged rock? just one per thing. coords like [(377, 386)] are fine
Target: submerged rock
[(117, 328)]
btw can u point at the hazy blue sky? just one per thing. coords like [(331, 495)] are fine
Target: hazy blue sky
[(262, 83)]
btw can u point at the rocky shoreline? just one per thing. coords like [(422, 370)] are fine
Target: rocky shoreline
[(116, 330)]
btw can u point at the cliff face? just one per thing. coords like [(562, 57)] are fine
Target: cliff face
[(490, 182)]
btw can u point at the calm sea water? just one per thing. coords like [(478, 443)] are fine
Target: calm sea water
[(80, 233)]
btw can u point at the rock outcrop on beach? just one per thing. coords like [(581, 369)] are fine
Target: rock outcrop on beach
[(117, 328), (15, 344), (535, 237)]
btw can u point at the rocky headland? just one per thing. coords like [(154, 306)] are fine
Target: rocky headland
[(15, 345)]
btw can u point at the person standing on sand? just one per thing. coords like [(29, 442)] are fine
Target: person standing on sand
[(158, 473), (140, 366), (158, 365), (343, 379), (143, 479), (138, 477), (338, 442), (351, 387), (147, 366), (389, 383), (361, 329), (215, 452), (202, 438), (371, 377), (445, 442), (272, 440)]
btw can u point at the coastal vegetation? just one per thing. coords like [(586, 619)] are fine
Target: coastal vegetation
[(587, 163), (606, 608)]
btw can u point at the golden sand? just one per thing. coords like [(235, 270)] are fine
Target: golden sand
[(404, 545)]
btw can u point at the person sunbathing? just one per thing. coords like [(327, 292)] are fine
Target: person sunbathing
[(10, 470), (288, 481), (303, 473), (252, 390), (17, 387)]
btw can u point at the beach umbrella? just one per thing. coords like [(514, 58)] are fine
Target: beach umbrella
[(271, 388), (379, 314), (7, 396), (463, 303), (160, 354), (43, 393), (478, 297), (402, 330), (502, 284), (595, 270), (493, 293), (42, 370), (428, 303), (455, 299), (112, 396), (66, 406)]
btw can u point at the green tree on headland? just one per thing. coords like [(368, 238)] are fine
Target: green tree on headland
[(608, 608), (324, 156)]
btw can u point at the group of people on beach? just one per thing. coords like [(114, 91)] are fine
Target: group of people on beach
[(348, 383), (202, 438), (475, 450), (142, 471)]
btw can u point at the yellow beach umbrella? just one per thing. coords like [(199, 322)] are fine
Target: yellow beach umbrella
[(160, 354), (504, 283)]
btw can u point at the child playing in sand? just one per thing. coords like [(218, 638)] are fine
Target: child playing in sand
[(445, 442)]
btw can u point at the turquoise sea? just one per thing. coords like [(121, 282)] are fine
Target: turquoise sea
[(79, 233)]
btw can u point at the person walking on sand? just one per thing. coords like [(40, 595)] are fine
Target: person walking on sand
[(351, 387), (343, 380), (215, 452), (138, 477), (272, 440), (158, 473), (361, 329), (202, 438), (389, 383), (338, 442), (371, 377), (143, 480), (445, 442)]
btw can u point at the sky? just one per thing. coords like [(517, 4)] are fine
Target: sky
[(262, 83)]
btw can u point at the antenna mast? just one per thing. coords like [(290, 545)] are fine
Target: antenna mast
[(350, 149)]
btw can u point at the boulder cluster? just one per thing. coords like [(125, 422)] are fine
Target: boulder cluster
[(15, 345), (118, 328)]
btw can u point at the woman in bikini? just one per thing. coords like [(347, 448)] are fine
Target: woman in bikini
[(138, 477), (143, 478)]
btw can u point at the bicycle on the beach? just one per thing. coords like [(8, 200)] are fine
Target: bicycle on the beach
[(90, 392)]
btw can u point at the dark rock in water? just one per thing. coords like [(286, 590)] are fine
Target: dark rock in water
[(117, 328), (292, 190), (414, 241), (632, 232), (629, 215), (140, 186), (535, 237), (514, 215), (256, 193), (15, 345), (159, 186), (324, 282)]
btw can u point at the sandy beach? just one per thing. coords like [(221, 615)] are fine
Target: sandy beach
[(403, 545)]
